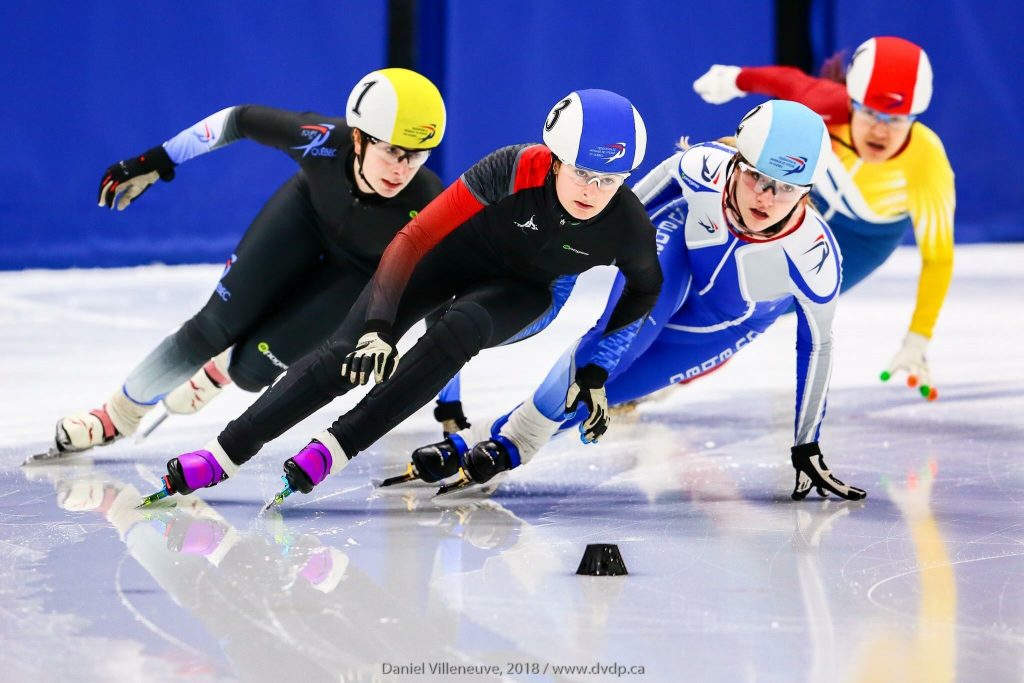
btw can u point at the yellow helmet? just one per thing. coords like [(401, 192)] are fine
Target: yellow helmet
[(398, 106)]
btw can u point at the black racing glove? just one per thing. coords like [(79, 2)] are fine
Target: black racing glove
[(812, 472), (588, 389), (126, 180), (451, 417)]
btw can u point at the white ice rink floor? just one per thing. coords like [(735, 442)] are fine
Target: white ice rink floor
[(728, 579)]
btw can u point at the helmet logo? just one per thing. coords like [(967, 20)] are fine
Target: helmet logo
[(609, 152), (431, 131), (894, 99), (789, 165), (359, 100), (556, 112)]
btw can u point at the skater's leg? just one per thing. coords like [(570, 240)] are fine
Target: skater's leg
[(272, 254), (484, 316), (311, 313)]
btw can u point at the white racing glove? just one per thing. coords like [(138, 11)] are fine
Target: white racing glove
[(911, 360), (718, 85), (374, 353)]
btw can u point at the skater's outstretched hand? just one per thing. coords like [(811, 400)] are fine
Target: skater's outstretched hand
[(812, 472), (588, 389), (718, 85), (126, 180), (911, 360), (374, 353)]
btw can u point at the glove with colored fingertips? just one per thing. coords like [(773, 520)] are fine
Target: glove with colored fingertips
[(126, 180), (375, 354), (718, 85), (911, 360), (588, 389)]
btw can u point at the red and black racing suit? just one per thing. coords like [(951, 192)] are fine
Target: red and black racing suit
[(489, 249)]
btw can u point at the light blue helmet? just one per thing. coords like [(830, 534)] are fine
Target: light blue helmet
[(596, 130), (784, 140)]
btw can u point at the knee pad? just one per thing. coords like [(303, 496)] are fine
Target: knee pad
[(253, 367), (464, 329), (203, 336), (248, 378)]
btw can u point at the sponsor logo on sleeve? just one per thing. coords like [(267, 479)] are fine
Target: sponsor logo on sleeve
[(317, 135), (222, 291), (709, 176), (204, 134), (822, 245)]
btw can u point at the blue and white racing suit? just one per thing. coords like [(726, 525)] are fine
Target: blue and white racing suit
[(720, 292)]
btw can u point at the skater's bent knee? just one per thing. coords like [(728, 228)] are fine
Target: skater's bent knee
[(251, 379), (464, 329), (204, 335)]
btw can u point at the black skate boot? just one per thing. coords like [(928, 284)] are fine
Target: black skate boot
[(433, 463), (483, 463)]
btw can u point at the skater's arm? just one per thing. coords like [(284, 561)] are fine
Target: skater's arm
[(932, 203), (661, 184), (813, 367), (449, 210), (815, 274), (298, 135), (826, 97), (643, 282)]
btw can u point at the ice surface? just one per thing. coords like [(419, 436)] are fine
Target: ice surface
[(729, 580)]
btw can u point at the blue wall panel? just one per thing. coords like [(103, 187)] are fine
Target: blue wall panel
[(87, 84), (508, 63)]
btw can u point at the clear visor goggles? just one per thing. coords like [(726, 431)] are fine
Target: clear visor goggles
[(759, 182), (393, 154), (604, 182), (891, 120)]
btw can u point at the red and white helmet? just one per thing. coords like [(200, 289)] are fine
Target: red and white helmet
[(890, 75)]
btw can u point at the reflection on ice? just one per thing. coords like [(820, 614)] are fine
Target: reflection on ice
[(729, 579)]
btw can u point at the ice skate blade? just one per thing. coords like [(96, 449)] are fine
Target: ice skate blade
[(153, 498), (407, 479), (53, 456), (276, 501), (464, 488)]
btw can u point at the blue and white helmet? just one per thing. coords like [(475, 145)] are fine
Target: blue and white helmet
[(596, 130), (784, 140)]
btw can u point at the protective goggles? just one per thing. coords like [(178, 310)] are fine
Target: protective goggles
[(759, 182), (892, 120), (394, 154), (604, 182)]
